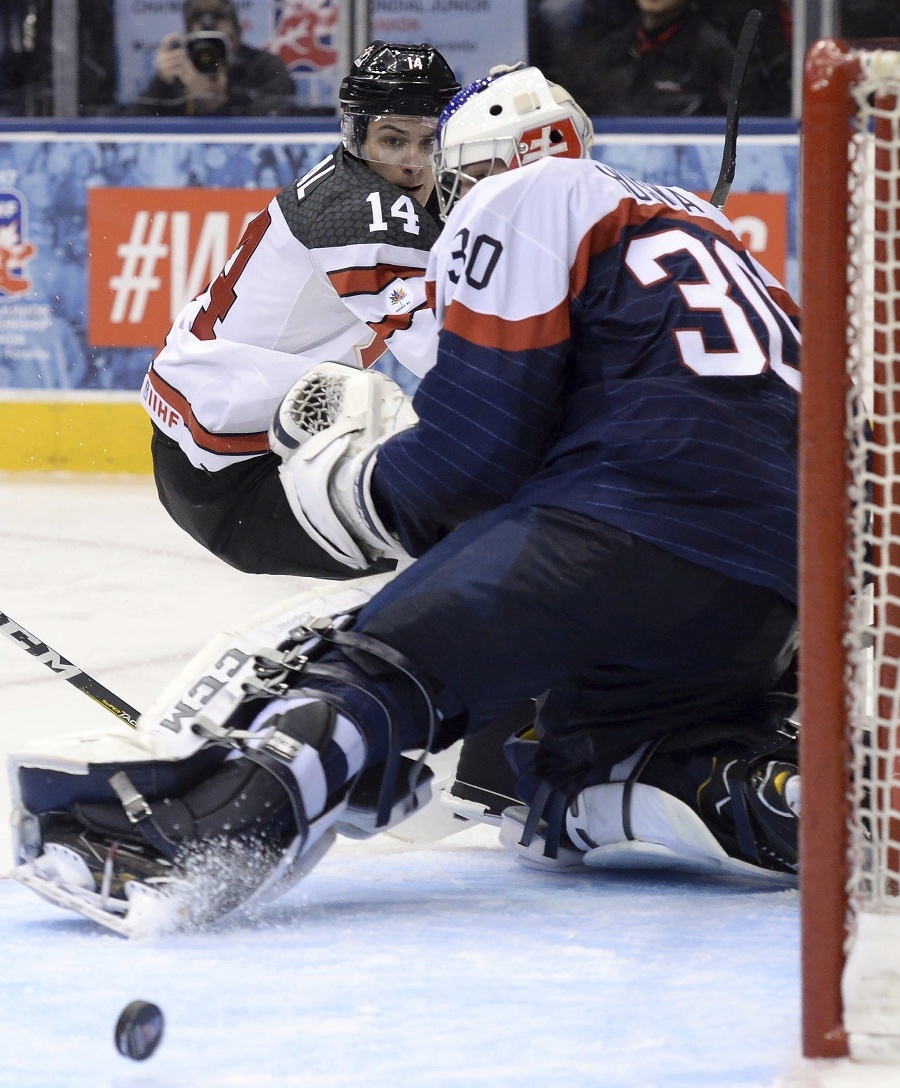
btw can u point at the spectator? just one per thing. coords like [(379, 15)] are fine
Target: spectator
[(556, 26), (666, 61), (211, 71), (26, 86)]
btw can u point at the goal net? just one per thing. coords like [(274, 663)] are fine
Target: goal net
[(850, 553)]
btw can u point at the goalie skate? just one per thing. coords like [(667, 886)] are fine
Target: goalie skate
[(674, 839), (136, 893), (113, 884)]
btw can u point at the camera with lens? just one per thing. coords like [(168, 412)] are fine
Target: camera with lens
[(207, 47)]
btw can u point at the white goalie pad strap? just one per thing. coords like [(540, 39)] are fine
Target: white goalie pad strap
[(346, 735), (211, 685), (306, 761)]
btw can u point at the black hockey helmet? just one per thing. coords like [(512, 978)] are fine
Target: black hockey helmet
[(411, 80)]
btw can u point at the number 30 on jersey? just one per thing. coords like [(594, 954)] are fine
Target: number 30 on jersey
[(726, 286)]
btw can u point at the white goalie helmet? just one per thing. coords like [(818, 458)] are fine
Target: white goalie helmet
[(513, 117)]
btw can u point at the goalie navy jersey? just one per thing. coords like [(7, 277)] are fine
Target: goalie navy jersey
[(610, 348), (332, 269)]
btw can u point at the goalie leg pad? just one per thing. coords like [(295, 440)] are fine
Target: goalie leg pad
[(241, 835), (214, 684), (735, 811)]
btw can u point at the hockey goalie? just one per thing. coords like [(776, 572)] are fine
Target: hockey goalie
[(304, 724)]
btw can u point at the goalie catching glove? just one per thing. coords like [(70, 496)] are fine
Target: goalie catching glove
[(327, 431)]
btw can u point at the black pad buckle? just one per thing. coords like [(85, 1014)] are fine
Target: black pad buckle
[(134, 804), (283, 747)]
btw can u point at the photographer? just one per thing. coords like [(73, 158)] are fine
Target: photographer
[(209, 70)]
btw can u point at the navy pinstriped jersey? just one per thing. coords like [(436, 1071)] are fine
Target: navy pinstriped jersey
[(332, 269), (611, 348)]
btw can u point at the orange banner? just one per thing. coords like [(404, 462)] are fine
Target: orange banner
[(761, 219), (153, 250)]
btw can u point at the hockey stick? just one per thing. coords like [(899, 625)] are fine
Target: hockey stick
[(69, 672), (749, 32)]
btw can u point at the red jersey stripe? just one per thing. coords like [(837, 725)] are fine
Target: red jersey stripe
[(369, 281), (246, 444), (491, 331)]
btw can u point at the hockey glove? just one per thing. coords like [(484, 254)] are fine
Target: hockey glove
[(327, 431)]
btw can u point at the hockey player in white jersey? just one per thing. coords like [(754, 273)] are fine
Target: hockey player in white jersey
[(600, 489), (333, 269)]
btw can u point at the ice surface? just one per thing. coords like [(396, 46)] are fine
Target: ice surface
[(391, 964)]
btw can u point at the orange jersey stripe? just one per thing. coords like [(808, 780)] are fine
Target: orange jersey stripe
[(784, 300), (491, 331), (553, 326)]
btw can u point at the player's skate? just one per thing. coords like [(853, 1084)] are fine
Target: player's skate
[(484, 783), (731, 812)]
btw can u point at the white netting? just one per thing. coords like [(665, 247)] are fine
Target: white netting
[(317, 402), (873, 632)]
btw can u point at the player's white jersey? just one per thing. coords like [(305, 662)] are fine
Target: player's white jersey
[(332, 269)]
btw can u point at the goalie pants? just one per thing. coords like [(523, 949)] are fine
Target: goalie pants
[(612, 631)]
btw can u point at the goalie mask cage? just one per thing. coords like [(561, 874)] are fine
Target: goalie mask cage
[(850, 552)]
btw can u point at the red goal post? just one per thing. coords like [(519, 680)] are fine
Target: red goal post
[(850, 552)]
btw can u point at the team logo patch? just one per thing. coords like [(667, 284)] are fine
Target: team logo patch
[(15, 249), (399, 299), (559, 139)]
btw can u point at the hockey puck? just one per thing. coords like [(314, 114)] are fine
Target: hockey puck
[(139, 1030)]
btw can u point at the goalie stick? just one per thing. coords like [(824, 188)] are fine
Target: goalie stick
[(749, 32), (63, 668)]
